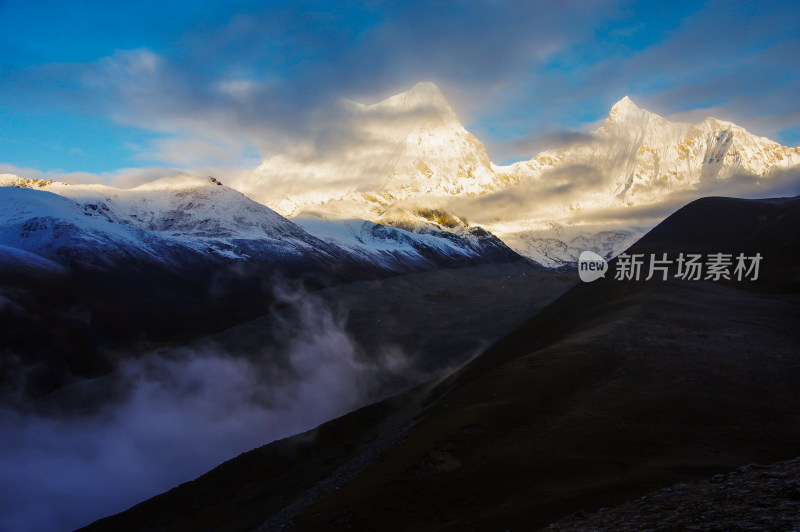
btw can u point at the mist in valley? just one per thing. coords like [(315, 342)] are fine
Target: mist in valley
[(184, 411)]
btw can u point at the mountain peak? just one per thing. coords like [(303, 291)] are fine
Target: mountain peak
[(176, 182), (624, 107), (426, 89), (424, 94)]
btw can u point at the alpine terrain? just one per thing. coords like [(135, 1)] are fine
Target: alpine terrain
[(412, 164), (614, 390), (103, 268)]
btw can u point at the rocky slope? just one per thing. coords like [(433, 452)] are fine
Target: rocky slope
[(753, 497)]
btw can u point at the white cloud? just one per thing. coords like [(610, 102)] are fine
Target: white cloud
[(189, 152)]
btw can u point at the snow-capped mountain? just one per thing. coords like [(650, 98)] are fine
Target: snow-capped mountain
[(402, 184), (635, 160), (174, 218), (408, 161), (425, 247), (409, 145), (201, 214), (176, 222), (641, 157)]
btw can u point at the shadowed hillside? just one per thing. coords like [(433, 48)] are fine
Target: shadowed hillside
[(614, 390)]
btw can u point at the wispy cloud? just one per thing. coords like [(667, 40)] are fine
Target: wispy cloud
[(265, 77), (261, 79), (525, 147), (124, 178)]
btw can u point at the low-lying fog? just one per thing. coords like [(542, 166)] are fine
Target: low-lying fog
[(186, 411)]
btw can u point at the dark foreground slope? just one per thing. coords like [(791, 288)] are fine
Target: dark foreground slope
[(613, 391)]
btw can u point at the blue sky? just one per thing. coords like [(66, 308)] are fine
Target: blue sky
[(90, 89)]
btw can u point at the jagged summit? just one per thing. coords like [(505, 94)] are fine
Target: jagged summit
[(624, 105), (423, 104), (408, 145), (424, 94), (625, 111), (424, 97)]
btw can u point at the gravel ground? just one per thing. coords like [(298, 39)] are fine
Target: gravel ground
[(754, 497)]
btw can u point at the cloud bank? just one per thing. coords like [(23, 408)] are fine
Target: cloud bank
[(228, 84), (186, 411)]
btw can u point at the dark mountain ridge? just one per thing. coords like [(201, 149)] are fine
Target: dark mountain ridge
[(612, 391)]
